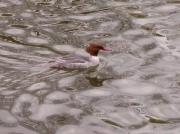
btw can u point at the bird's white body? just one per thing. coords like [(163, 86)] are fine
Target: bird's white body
[(85, 60), (76, 62)]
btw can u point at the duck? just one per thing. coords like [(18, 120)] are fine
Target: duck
[(87, 60)]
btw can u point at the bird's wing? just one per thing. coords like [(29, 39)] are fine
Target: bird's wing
[(75, 58), (69, 60)]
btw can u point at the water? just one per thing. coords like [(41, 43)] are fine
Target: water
[(135, 90)]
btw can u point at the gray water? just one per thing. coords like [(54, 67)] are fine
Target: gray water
[(135, 90)]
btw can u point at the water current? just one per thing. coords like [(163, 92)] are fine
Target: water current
[(135, 90)]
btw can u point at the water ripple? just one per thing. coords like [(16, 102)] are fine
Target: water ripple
[(134, 90)]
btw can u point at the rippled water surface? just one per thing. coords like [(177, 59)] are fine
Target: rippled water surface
[(135, 90)]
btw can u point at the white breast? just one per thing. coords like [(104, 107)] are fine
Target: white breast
[(94, 60)]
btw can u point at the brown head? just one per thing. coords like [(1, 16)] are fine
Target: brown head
[(94, 48)]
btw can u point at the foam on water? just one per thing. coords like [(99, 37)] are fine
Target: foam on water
[(136, 87), (46, 110), (37, 86), (15, 31), (35, 40), (57, 96), (7, 117), (32, 105)]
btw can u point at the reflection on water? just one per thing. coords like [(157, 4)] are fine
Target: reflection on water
[(134, 90)]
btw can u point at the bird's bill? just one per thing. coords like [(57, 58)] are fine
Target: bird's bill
[(107, 49)]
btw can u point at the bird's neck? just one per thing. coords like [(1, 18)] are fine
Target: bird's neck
[(94, 59)]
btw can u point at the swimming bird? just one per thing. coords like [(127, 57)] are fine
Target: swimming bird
[(86, 60)]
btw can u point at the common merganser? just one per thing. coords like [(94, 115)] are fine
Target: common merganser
[(78, 61)]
